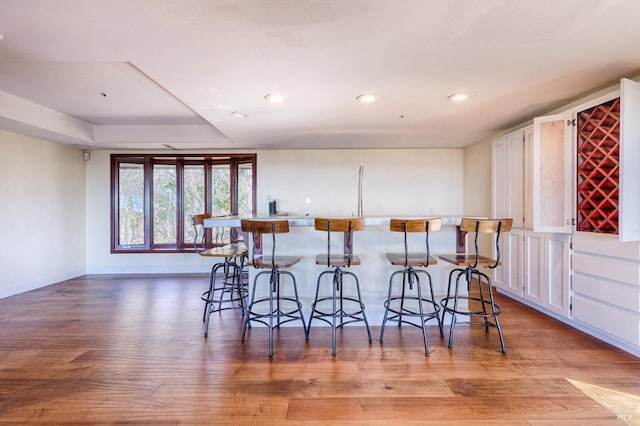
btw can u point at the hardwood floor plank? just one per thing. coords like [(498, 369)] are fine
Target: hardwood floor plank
[(455, 410), (129, 349)]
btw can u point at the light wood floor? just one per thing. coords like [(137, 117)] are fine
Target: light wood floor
[(129, 349)]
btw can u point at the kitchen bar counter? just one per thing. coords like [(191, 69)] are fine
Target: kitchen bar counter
[(370, 245), (296, 220)]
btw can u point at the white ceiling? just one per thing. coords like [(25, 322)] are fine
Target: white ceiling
[(173, 71)]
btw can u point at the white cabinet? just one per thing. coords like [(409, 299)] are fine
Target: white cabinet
[(528, 177), (534, 264), (552, 173), (508, 202), (555, 169), (629, 160), (508, 182), (606, 285), (553, 260), (546, 271), (511, 256), (533, 267), (557, 274)]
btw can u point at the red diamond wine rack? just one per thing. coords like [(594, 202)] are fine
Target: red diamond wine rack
[(598, 168)]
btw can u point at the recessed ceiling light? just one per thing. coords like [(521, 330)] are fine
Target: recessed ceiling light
[(238, 114), (458, 96), (274, 97), (366, 98)]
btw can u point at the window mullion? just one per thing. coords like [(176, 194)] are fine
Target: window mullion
[(180, 243), (208, 205), (148, 204), (233, 186)]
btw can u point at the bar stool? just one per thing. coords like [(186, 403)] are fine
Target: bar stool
[(483, 305), (347, 308), (408, 305), (232, 291), (282, 308)]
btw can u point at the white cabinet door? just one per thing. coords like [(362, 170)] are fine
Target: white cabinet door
[(508, 276), (508, 177), (507, 191), (511, 257), (528, 178), (515, 178), (552, 173), (629, 220), (499, 167), (533, 267), (557, 273), (499, 161)]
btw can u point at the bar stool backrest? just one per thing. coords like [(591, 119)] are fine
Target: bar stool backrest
[(346, 225), (415, 225), (258, 227), (486, 226), (199, 239), (197, 220)]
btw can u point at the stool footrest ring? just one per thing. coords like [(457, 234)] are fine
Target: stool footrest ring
[(491, 310)]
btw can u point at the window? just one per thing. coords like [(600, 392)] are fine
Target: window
[(154, 196)]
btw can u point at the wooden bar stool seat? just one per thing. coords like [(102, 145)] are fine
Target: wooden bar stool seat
[(278, 261), (338, 307), (341, 260), (417, 260), (230, 291), (480, 308), (408, 304), (277, 307)]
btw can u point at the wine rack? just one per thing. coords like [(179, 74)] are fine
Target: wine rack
[(598, 171)]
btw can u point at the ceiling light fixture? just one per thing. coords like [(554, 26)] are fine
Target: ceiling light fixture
[(238, 114), (366, 98), (458, 96), (274, 97)]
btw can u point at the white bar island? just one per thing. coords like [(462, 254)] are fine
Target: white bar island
[(370, 245)]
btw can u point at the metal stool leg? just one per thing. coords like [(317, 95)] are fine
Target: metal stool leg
[(455, 309), (422, 320), (341, 312), (387, 303), (210, 297), (408, 312), (364, 315), (275, 316)]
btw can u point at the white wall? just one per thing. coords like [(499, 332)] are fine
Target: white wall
[(477, 186), (42, 219), (99, 258), (477, 179), (395, 181), (407, 182)]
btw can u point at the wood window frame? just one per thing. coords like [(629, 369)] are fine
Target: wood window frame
[(148, 161)]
